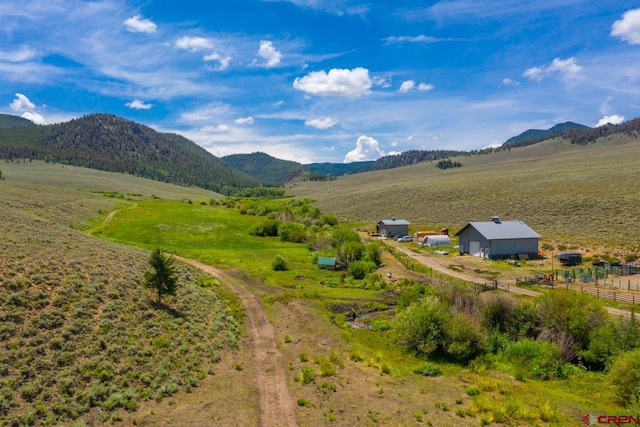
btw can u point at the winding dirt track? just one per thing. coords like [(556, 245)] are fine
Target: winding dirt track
[(275, 404)]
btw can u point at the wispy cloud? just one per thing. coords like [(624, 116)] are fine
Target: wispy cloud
[(567, 68), (415, 39), (137, 24), (24, 53), (325, 123), (194, 44), (136, 104)]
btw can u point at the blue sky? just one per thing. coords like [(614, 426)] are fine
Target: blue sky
[(324, 80)]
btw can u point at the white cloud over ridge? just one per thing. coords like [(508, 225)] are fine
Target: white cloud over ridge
[(325, 123), (34, 117), (568, 68), (136, 104), (613, 119), (337, 82), (367, 148), (139, 25), (628, 28)]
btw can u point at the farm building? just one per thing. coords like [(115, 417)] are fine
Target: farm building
[(437, 240), (498, 239), (570, 258), (327, 262), (419, 236), (393, 227)]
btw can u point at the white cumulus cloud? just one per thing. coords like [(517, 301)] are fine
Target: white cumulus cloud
[(269, 53), (614, 120), (628, 28), (367, 148), (325, 123), (22, 103), (223, 61), (510, 82), (194, 44), (568, 68), (425, 87), (244, 121), (136, 104), (139, 25), (406, 86), (337, 82)]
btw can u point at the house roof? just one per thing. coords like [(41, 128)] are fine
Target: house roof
[(393, 221), (502, 230)]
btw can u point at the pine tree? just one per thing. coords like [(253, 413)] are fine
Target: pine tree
[(163, 277)]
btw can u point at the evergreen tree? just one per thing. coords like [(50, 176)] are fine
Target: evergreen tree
[(163, 277)]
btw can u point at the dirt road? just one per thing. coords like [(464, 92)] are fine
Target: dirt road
[(276, 406), (435, 264)]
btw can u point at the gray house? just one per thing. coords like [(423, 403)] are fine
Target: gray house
[(393, 227), (498, 239)]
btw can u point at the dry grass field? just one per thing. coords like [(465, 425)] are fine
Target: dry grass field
[(582, 197), (81, 338)]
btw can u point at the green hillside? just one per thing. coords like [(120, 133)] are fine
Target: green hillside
[(533, 136), (576, 195), (110, 143), (7, 121), (268, 170)]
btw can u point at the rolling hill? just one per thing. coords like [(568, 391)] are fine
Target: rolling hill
[(582, 196), (533, 136), (110, 143)]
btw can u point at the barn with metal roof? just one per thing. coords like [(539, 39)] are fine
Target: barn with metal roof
[(498, 239), (393, 227)]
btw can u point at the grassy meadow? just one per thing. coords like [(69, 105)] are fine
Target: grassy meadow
[(344, 375), (583, 197)]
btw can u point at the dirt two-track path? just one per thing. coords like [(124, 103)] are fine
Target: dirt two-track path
[(275, 404)]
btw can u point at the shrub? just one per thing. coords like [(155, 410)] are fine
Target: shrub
[(292, 232), (463, 339), (421, 326), (428, 369), (326, 368), (358, 269), (279, 263), (308, 375), (268, 227), (624, 376)]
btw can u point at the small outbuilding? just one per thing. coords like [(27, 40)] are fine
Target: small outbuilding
[(328, 263), (393, 227), (570, 258), (437, 240), (497, 239)]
